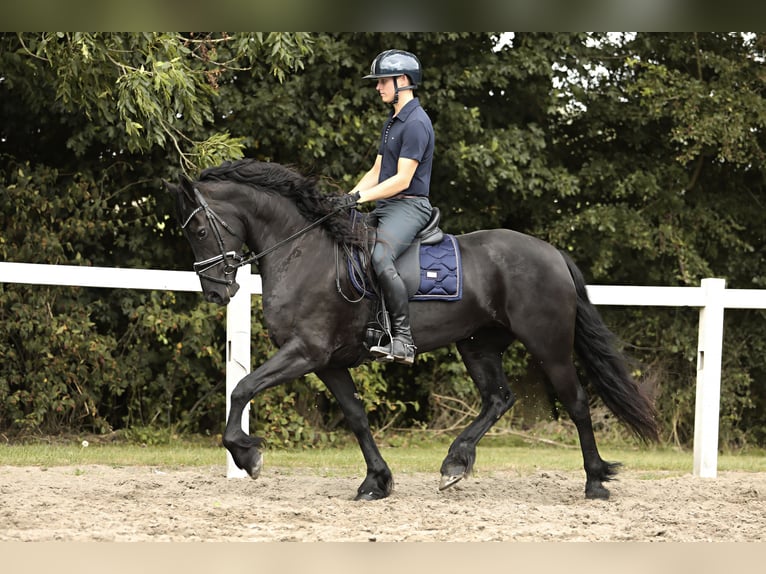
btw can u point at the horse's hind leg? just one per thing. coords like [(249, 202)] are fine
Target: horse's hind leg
[(483, 357), (563, 376), (379, 482)]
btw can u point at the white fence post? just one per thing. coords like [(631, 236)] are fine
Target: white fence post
[(708, 393), (238, 329)]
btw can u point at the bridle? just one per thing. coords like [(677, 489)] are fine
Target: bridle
[(232, 260)]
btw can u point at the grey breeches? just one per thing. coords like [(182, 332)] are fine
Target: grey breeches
[(398, 222)]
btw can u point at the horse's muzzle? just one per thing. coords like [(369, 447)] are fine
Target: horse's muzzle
[(222, 298)]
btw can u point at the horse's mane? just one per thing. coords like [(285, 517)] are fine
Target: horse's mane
[(303, 191)]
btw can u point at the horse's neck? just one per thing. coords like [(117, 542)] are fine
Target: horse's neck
[(270, 219), (288, 262)]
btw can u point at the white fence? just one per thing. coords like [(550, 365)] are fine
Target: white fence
[(711, 297)]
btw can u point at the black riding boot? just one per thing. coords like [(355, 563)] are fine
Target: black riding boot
[(401, 348)]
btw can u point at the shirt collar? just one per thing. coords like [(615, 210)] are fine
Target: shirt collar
[(408, 108)]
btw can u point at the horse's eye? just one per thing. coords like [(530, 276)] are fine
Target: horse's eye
[(202, 233)]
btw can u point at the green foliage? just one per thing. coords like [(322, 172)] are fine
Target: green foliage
[(150, 90), (641, 154)]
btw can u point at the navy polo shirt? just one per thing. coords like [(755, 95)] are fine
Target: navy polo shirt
[(410, 135)]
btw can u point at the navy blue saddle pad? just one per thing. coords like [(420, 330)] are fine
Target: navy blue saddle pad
[(437, 266)]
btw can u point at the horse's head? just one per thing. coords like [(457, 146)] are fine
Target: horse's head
[(215, 234)]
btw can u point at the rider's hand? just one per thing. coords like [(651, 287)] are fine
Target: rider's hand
[(357, 195), (348, 201)]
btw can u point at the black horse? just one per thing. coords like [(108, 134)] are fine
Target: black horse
[(515, 287)]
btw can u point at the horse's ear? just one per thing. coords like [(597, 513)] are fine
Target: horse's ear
[(169, 187), (187, 185)]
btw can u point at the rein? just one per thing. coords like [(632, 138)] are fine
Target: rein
[(294, 236), (231, 259)]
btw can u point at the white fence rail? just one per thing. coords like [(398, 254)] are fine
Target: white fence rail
[(711, 297)]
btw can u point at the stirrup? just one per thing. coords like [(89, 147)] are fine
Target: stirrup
[(382, 353), (397, 350)]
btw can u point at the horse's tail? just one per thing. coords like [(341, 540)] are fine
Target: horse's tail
[(607, 367)]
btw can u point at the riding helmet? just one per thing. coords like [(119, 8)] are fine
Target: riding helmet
[(395, 63)]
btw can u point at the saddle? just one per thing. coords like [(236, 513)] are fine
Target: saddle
[(430, 267)]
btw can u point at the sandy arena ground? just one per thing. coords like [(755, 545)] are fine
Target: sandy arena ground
[(101, 503)]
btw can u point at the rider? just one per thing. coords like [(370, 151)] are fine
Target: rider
[(398, 182)]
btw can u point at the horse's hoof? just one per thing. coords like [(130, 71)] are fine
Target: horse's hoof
[(368, 496), (597, 493), (254, 468), (450, 480)]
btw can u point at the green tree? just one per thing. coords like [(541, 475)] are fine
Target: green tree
[(90, 123), (641, 154), (665, 134)]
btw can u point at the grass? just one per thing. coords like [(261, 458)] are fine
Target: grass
[(494, 454)]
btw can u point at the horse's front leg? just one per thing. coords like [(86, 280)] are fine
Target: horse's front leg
[(287, 364), (379, 482)]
